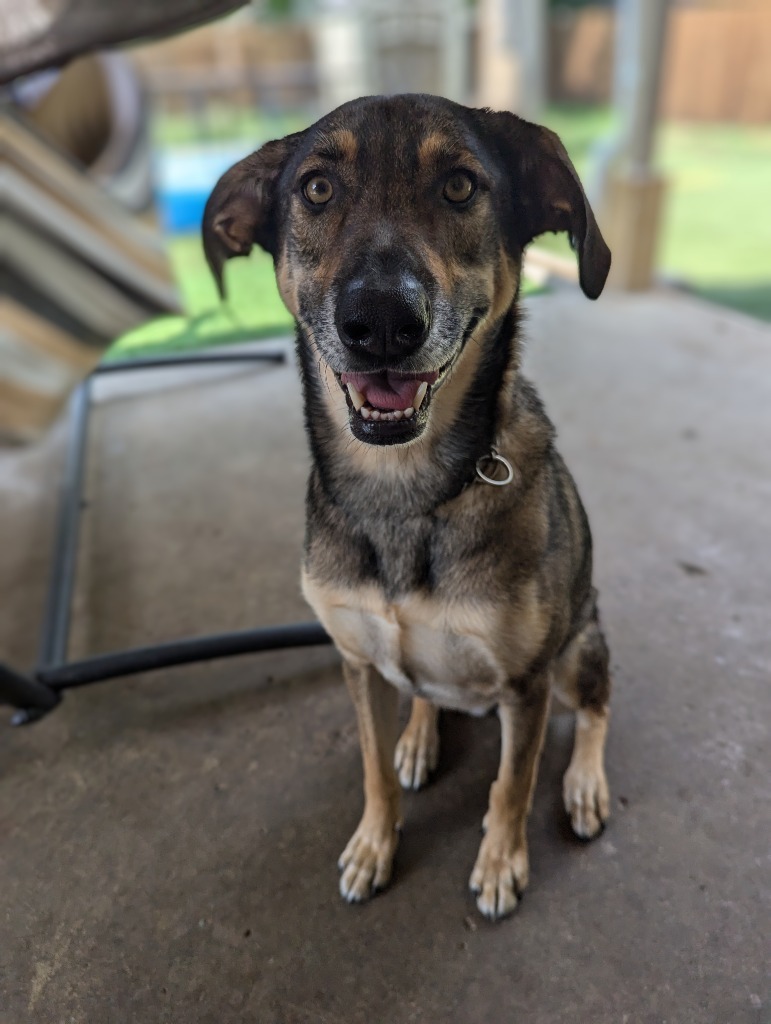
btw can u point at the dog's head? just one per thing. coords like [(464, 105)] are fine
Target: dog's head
[(397, 227)]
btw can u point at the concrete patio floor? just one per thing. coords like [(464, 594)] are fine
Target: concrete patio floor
[(168, 842)]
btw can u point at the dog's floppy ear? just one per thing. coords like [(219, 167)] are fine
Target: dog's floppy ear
[(548, 194), (241, 211)]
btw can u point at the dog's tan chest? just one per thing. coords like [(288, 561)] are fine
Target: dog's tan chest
[(457, 654)]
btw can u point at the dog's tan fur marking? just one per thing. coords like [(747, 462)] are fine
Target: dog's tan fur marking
[(287, 284), (441, 269), (448, 401), (501, 872), (438, 148), (326, 271), (432, 147), (417, 752), (585, 787), (345, 143), (506, 283), (335, 145), (366, 861)]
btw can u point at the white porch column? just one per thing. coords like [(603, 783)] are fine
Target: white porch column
[(527, 31), (512, 55), (630, 191), (343, 62)]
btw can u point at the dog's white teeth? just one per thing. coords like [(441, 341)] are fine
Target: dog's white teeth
[(420, 395), (356, 397), (384, 415)]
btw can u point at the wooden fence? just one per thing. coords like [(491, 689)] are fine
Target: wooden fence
[(236, 60), (717, 66)]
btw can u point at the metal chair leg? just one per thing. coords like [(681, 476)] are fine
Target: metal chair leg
[(35, 695)]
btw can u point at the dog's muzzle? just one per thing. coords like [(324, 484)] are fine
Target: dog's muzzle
[(383, 320)]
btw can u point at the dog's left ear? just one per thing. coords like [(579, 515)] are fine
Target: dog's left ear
[(242, 209), (548, 194)]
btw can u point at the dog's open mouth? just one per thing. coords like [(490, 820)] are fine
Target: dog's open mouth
[(388, 407), (387, 396)]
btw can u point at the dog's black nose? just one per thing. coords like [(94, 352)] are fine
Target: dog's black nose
[(385, 317)]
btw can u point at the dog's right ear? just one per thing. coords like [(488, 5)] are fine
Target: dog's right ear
[(241, 211)]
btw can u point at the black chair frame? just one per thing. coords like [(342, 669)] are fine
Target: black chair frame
[(35, 693)]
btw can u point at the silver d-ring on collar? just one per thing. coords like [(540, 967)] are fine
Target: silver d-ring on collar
[(494, 456)]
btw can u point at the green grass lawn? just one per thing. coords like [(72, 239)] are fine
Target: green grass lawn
[(717, 231), (253, 308), (221, 122), (717, 235)]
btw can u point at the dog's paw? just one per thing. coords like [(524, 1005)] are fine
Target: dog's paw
[(367, 859), (587, 799), (500, 874), (417, 753)]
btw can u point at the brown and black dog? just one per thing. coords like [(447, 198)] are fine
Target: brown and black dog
[(447, 551)]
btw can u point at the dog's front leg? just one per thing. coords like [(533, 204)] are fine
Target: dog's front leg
[(501, 871), (366, 861), (417, 752)]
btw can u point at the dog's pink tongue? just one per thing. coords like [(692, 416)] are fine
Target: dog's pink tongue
[(386, 390), (389, 394)]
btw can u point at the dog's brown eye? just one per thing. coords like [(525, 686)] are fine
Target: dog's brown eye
[(459, 188), (318, 190)]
